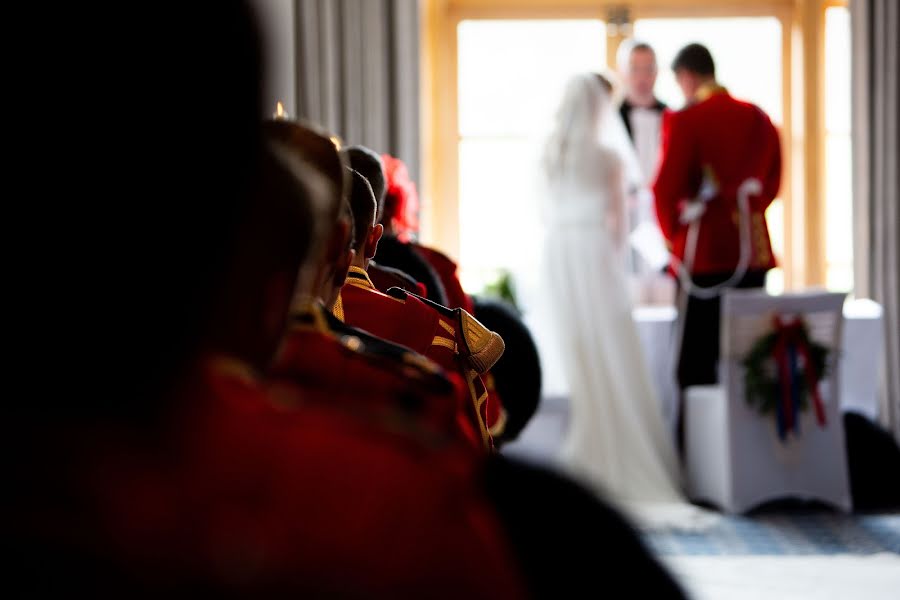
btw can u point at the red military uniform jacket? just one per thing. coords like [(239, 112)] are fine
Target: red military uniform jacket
[(453, 339), (237, 497), (446, 269), (730, 140), (371, 377)]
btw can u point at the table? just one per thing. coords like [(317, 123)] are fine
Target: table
[(862, 348)]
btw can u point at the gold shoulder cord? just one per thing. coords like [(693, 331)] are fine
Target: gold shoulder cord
[(484, 347)]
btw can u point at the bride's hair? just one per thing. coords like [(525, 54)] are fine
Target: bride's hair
[(576, 125)]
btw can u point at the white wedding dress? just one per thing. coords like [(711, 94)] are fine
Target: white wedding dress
[(617, 442)]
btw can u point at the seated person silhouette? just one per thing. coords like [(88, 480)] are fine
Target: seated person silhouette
[(515, 381), (156, 463), (359, 371), (368, 164), (453, 339), (397, 206)]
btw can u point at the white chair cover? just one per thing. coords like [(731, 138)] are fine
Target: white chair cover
[(734, 456)]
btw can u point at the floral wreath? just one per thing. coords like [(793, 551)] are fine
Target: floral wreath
[(783, 371)]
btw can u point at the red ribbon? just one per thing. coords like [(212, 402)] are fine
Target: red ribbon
[(789, 333), (784, 370)]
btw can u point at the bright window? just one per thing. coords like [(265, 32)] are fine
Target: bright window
[(838, 186), (511, 79), (510, 74)]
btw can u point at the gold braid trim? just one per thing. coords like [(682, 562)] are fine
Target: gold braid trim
[(445, 342)]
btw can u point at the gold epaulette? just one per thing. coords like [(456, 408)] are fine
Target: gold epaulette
[(483, 346)]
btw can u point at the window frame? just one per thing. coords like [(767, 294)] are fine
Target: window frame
[(803, 132)]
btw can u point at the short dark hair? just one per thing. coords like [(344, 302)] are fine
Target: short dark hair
[(362, 206), (368, 163), (694, 58), (314, 146), (275, 230)]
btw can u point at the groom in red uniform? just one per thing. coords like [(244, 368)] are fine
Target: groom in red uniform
[(716, 143)]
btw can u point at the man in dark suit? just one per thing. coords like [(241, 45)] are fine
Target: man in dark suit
[(641, 110), (642, 113)]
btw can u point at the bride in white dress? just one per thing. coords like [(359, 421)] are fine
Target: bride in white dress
[(617, 442)]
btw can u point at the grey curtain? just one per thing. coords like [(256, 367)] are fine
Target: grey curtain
[(876, 148), (358, 72)]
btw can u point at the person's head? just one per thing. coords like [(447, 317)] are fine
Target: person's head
[(366, 232), (369, 165), (273, 240), (139, 223), (323, 274), (339, 256), (585, 101), (693, 67), (637, 66)]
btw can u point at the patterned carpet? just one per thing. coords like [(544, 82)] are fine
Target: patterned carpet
[(785, 532), (780, 529)]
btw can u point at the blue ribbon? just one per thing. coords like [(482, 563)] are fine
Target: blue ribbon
[(795, 386), (779, 414)]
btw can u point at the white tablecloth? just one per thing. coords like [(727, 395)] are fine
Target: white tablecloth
[(863, 344)]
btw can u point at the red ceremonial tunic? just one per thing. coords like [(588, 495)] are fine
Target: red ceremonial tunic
[(239, 497), (411, 322), (731, 141)]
